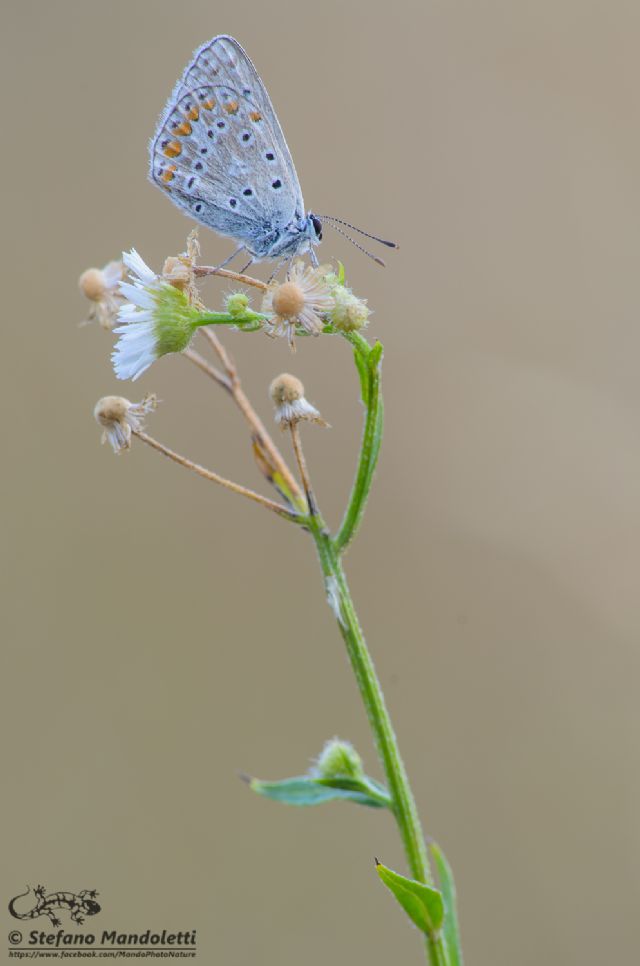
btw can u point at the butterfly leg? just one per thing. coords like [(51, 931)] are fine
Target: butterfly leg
[(314, 258), (278, 267), (231, 257), (245, 267)]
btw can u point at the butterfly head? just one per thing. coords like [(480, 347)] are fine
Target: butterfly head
[(316, 224)]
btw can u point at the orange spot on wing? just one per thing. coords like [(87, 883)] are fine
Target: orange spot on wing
[(255, 116), (182, 129), (193, 114), (173, 149), (231, 107), (209, 104), (168, 174)]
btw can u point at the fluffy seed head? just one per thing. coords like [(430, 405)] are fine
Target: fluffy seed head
[(288, 300), (120, 418), (93, 284), (286, 389), (111, 409)]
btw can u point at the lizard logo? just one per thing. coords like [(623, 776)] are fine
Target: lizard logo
[(78, 905)]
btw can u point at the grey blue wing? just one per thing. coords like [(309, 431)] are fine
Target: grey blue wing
[(222, 60), (219, 152)]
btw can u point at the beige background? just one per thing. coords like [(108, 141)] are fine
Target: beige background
[(162, 636)]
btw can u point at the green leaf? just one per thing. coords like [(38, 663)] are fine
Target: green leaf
[(422, 903), (375, 356), (451, 929), (305, 790), (376, 794), (363, 372)]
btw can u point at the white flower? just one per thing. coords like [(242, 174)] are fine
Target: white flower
[(301, 300), (156, 318), (119, 417), (287, 394), (100, 286)]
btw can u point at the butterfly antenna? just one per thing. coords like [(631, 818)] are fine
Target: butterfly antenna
[(354, 242), (346, 224)]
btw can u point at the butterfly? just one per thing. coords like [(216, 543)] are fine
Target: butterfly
[(220, 155)]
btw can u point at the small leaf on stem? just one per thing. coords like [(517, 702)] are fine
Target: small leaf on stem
[(451, 929), (422, 903), (303, 790)]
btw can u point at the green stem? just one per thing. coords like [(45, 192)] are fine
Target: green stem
[(403, 802), (248, 318), (368, 364)]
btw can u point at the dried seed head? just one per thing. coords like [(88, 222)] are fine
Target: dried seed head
[(288, 300), (93, 284), (119, 417), (302, 300), (111, 409), (287, 393), (177, 273), (286, 389), (100, 286)]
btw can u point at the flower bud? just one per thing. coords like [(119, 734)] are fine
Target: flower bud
[(339, 759), (237, 304), (349, 313)]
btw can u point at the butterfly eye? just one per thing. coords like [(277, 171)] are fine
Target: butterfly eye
[(317, 227)]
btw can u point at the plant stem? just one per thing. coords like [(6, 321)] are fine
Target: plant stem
[(403, 802), (369, 451), (258, 430), (278, 508)]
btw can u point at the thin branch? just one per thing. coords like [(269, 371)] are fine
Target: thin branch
[(258, 429), (209, 370), (278, 508), (204, 270), (302, 466)]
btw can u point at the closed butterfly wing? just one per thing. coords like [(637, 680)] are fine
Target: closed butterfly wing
[(219, 151)]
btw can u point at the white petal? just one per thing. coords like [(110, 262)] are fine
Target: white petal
[(137, 295), (139, 267), (136, 332), (134, 351)]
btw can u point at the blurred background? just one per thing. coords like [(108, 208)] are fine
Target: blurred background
[(161, 636)]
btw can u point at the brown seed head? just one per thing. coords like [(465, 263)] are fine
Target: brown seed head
[(286, 389), (93, 284), (288, 300), (111, 409)]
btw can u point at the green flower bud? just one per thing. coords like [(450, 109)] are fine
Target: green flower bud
[(339, 759), (237, 304), (349, 313)]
